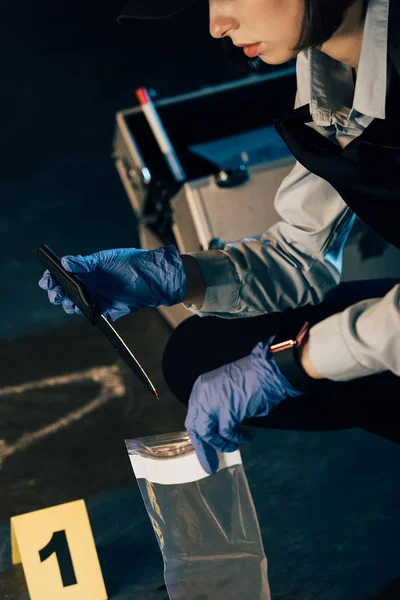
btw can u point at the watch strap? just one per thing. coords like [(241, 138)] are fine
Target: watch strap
[(288, 361), (289, 365)]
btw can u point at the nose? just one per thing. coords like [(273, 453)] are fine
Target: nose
[(222, 19)]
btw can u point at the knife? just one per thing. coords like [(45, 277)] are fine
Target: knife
[(79, 294)]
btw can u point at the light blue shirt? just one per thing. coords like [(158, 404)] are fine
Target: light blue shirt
[(299, 259)]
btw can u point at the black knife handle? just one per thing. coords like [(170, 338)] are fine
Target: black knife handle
[(74, 288)]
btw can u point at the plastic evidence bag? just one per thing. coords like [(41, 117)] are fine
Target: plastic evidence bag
[(206, 525)]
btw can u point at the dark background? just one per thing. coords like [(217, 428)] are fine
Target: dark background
[(327, 502), (67, 69)]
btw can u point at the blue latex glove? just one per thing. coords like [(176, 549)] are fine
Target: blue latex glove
[(223, 398), (123, 280)]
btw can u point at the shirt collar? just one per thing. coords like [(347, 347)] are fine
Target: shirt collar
[(326, 74), (371, 86)]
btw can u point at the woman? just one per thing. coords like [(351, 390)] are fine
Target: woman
[(314, 354)]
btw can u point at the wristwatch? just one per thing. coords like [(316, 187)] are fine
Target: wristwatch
[(285, 348)]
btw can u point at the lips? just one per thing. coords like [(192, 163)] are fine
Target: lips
[(251, 50)]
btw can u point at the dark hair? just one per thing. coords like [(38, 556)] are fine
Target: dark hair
[(321, 19)]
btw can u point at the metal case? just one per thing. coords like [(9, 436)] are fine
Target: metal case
[(203, 212), (196, 214)]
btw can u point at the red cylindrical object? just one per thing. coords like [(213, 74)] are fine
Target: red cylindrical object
[(143, 96)]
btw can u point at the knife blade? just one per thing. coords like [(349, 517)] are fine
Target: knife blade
[(119, 345), (79, 294)]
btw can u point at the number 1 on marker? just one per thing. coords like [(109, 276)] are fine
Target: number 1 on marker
[(74, 573), (59, 545)]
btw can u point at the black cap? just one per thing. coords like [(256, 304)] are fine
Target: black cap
[(151, 9)]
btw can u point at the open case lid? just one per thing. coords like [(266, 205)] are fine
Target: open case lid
[(238, 109)]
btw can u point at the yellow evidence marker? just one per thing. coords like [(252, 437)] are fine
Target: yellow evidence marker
[(58, 554)]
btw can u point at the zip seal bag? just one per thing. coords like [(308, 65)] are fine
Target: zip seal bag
[(206, 525)]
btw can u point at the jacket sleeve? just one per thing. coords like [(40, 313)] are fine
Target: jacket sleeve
[(364, 339), (296, 261)]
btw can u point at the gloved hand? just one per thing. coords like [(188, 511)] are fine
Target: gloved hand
[(123, 280), (223, 398)]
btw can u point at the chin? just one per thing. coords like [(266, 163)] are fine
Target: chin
[(277, 58)]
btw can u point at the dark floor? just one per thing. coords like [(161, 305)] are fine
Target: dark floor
[(328, 503)]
